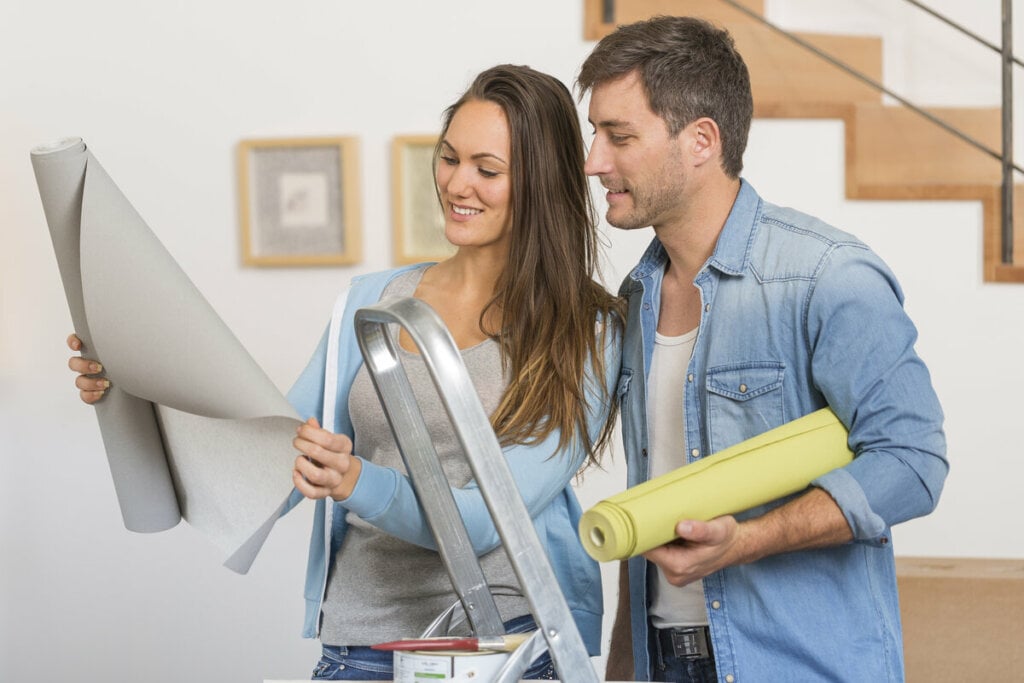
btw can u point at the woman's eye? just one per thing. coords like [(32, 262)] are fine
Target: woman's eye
[(449, 160), (487, 174)]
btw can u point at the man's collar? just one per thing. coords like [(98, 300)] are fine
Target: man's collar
[(732, 250)]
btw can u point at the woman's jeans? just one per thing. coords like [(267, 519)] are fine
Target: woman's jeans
[(340, 663)]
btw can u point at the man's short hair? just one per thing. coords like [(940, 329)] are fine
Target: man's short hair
[(689, 69)]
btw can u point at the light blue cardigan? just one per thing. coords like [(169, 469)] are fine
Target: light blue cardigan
[(385, 498)]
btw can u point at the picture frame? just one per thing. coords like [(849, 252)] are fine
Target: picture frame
[(417, 218), (299, 201)]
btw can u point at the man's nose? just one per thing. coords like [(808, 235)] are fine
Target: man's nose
[(597, 159)]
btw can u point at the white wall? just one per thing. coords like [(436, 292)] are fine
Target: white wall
[(162, 93)]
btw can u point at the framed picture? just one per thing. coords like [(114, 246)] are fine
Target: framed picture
[(299, 201), (418, 220)]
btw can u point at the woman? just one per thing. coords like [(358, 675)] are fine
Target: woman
[(540, 340)]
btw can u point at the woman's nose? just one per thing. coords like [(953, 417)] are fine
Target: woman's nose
[(459, 183)]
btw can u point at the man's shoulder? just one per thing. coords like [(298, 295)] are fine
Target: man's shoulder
[(792, 244), (782, 222)]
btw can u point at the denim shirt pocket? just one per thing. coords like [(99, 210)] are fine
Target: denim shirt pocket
[(743, 400)]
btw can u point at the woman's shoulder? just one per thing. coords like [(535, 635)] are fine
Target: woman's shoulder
[(610, 321), (377, 281)]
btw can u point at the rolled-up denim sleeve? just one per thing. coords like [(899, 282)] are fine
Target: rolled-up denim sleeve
[(864, 362)]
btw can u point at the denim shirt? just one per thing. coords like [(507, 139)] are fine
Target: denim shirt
[(796, 315), (385, 497)]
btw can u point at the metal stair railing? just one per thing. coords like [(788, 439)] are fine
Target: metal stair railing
[(1005, 156), (556, 630)]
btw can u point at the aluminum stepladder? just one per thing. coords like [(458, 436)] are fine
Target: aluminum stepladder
[(556, 630)]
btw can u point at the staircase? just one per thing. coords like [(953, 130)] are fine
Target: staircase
[(891, 151)]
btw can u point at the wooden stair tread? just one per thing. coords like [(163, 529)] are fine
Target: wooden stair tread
[(894, 145), (781, 71), (784, 73), (995, 269), (715, 11)]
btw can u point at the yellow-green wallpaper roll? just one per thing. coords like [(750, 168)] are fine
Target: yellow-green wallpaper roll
[(776, 463)]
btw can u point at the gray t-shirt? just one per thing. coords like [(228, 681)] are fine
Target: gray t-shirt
[(382, 588)]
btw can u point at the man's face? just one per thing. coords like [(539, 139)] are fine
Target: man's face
[(634, 156)]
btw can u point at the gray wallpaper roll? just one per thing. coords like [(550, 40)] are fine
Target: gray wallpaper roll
[(192, 426)]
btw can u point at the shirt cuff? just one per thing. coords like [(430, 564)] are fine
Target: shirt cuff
[(866, 525), (373, 492)]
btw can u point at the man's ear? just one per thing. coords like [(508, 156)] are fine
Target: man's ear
[(705, 140)]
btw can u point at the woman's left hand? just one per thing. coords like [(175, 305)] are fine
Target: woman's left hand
[(326, 466)]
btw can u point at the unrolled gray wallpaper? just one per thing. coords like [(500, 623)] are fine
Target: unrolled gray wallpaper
[(192, 426)]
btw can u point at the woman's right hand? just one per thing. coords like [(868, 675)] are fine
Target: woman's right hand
[(90, 387)]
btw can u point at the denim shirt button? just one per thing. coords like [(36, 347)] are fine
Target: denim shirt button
[(743, 388), (707, 308), (689, 378), (729, 678), (716, 604), (695, 453)]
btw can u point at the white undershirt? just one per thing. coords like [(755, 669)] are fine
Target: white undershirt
[(666, 420)]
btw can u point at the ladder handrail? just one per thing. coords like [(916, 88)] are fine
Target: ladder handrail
[(427, 476), (486, 459)]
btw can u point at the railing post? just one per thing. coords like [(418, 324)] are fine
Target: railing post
[(1007, 64), (608, 11)]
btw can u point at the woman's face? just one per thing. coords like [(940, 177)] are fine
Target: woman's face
[(473, 176)]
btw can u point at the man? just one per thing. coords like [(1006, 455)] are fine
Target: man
[(743, 316)]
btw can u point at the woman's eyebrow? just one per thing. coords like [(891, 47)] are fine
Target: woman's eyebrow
[(478, 155)]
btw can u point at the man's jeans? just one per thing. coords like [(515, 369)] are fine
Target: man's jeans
[(668, 667)]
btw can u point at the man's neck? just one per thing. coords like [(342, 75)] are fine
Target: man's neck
[(689, 242), (690, 239)]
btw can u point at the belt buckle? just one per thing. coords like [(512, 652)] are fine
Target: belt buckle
[(690, 643)]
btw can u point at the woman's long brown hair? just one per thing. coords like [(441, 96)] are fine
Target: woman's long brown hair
[(555, 318)]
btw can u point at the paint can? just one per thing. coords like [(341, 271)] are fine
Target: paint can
[(448, 665)]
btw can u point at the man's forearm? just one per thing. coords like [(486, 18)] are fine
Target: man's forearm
[(811, 521)]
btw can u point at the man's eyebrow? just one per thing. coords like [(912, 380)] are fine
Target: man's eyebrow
[(611, 123), (478, 155)]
